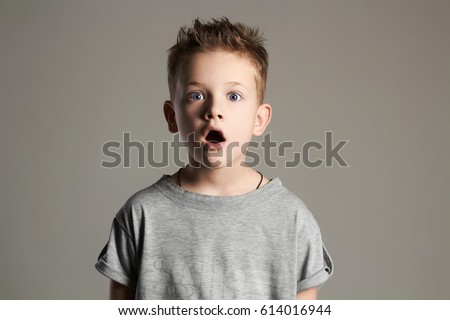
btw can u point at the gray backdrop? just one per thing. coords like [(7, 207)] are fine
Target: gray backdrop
[(75, 74)]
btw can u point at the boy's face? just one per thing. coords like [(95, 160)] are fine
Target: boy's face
[(215, 108)]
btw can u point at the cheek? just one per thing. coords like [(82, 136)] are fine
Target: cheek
[(245, 117), (243, 129), (187, 124), (183, 115), (189, 112)]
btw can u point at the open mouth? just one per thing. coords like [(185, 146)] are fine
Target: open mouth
[(215, 136), (214, 140)]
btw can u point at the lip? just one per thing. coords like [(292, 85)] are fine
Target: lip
[(213, 146), (209, 145)]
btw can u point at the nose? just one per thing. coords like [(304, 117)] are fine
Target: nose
[(213, 110)]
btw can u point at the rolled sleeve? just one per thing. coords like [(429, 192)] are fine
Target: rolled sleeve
[(117, 260), (314, 263), (318, 278)]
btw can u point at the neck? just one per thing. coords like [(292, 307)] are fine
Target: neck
[(219, 181)]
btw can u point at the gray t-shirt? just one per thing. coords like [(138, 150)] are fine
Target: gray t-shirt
[(169, 243)]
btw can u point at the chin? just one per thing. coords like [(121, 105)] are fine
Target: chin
[(214, 162)]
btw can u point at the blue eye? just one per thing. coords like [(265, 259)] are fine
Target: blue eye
[(233, 96), (196, 96)]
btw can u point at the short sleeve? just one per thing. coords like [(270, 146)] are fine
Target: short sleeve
[(117, 260), (314, 263)]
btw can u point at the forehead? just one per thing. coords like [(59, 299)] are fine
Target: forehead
[(218, 67)]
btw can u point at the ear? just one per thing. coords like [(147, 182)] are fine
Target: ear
[(169, 114), (263, 116)]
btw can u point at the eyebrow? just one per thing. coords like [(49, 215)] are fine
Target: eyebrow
[(196, 83), (236, 83)]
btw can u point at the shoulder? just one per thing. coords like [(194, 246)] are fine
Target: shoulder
[(144, 197), (288, 201), (142, 201), (285, 199)]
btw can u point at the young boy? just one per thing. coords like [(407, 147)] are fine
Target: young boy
[(216, 229)]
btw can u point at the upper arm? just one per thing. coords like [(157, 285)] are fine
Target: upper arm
[(118, 291), (308, 294)]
